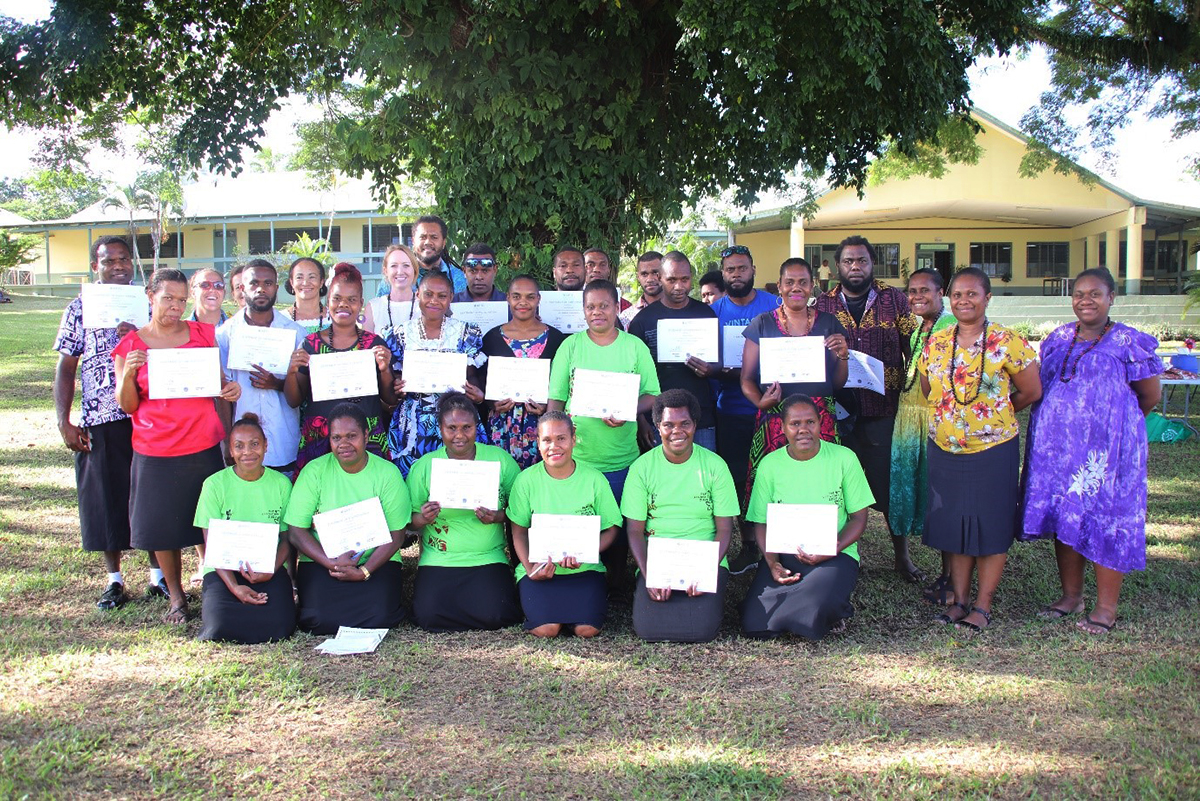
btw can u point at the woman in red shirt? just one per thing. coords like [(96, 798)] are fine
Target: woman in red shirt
[(176, 441)]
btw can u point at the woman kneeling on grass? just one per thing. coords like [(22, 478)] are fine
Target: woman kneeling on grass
[(347, 589), (564, 594), (245, 606), (464, 580)]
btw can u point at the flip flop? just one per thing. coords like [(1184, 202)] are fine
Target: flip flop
[(945, 619), (914, 576), (1054, 613), (973, 627), (176, 616), (1087, 619)]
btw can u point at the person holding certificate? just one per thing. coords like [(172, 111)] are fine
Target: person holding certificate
[(342, 336), (566, 594), (176, 440), (208, 293), (245, 606), (385, 313), (359, 588), (414, 429), (800, 593), (512, 425), (680, 491), (459, 493), (306, 281), (795, 318)]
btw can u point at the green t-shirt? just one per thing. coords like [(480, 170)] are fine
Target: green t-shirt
[(323, 485), (584, 492), (457, 538), (606, 449), (832, 476), (228, 497), (680, 501)]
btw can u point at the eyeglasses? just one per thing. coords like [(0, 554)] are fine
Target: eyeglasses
[(861, 261), (479, 263), (212, 284), (735, 250)]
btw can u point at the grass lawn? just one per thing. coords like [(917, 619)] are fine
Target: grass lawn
[(117, 704)]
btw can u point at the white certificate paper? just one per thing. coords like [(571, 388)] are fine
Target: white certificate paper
[(791, 360), (184, 372), (349, 374), (865, 372), (563, 310), (463, 484), (428, 372), (733, 340), (559, 536), (232, 542), (109, 305), (600, 393), (353, 528), (519, 379), (255, 344), (678, 564), (350, 640), (678, 339), (487, 314), (811, 527)]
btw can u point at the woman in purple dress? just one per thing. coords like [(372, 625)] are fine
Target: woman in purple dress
[(1085, 469)]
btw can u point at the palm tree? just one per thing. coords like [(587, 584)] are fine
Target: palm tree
[(130, 199)]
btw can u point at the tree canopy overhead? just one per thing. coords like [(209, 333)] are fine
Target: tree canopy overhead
[(538, 122)]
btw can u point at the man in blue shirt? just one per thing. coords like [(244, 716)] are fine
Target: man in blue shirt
[(429, 243), (735, 414), (479, 265)]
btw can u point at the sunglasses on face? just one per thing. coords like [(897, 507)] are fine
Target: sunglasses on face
[(735, 250), (482, 264), (211, 284)]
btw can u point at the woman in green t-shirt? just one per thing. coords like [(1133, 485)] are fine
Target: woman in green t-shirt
[(360, 589), (801, 593), (464, 580), (566, 593), (244, 606)]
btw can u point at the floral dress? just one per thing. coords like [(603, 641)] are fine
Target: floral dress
[(414, 430), (516, 430), (1085, 461)]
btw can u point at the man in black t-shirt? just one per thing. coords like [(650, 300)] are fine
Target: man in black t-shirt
[(692, 375)]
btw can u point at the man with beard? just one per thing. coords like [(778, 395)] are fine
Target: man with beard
[(479, 264), (649, 278), (597, 267), (429, 243), (878, 323), (262, 390), (568, 270), (735, 414)]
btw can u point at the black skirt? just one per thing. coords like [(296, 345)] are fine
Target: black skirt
[(465, 598), (163, 493), (973, 499), (808, 608), (326, 603), (681, 618), (578, 599), (102, 476), (226, 619)]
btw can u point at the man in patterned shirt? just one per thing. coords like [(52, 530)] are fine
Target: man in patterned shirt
[(879, 322), (102, 442)]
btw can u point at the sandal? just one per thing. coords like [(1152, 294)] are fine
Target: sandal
[(987, 616), (945, 619), (914, 576), (1054, 613), (939, 593), (176, 615), (1087, 621)]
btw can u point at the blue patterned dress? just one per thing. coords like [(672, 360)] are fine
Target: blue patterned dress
[(1085, 463)]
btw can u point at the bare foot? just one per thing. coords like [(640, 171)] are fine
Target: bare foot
[(176, 615)]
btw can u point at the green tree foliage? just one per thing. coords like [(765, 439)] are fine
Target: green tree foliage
[(539, 122), (1112, 59), (52, 194), (16, 249)]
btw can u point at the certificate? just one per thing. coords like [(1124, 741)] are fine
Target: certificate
[(519, 379), (865, 372), (352, 641), (465, 484), (255, 344), (108, 305), (732, 343), (679, 339), (555, 537), (678, 564), (184, 372), (232, 542), (791, 360), (428, 372), (563, 310), (599, 393), (811, 527), (349, 374), (487, 314), (353, 528)]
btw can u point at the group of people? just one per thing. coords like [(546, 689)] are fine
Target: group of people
[(713, 445)]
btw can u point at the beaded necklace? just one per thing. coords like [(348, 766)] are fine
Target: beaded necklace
[(1062, 371), (388, 303), (982, 364), (293, 312), (922, 338)]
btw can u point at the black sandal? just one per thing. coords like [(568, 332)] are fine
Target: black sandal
[(939, 593), (945, 619), (963, 624)]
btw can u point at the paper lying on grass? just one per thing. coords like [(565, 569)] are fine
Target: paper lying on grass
[(350, 640)]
